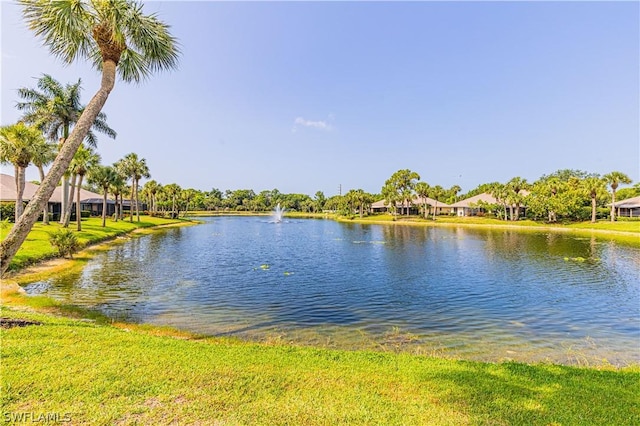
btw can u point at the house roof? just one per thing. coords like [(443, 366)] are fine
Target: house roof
[(416, 201), (8, 191), (484, 197), (629, 203)]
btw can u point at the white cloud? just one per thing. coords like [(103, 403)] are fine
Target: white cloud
[(321, 125)]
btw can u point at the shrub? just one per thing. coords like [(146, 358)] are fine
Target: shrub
[(8, 211), (85, 213), (65, 241)]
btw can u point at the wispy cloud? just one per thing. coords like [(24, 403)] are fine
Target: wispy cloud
[(320, 124)]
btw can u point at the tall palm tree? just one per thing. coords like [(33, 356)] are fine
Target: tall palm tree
[(437, 192), (593, 186), (151, 188), (173, 190), (118, 38), (104, 177), (83, 161), (16, 147), (614, 179), (516, 185), (134, 168), (55, 109), (43, 153), (117, 188), (423, 189)]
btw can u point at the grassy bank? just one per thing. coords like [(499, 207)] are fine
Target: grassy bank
[(37, 248), (103, 374)]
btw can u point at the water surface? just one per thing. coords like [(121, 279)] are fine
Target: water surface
[(461, 292)]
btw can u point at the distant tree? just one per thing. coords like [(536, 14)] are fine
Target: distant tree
[(452, 194), (318, 201), (104, 177), (134, 168), (500, 192), (614, 179), (515, 186), (437, 192), (118, 187), (16, 147), (83, 161), (594, 187), (423, 190), (403, 182), (173, 191)]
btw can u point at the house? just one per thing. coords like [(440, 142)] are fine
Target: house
[(473, 205), (414, 206), (89, 201), (628, 208)]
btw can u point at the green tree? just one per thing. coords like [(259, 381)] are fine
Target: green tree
[(118, 38), (403, 182), (16, 147), (173, 191), (437, 193), (423, 190), (83, 161), (150, 189), (104, 177), (614, 179), (594, 187), (318, 201), (134, 168), (515, 197)]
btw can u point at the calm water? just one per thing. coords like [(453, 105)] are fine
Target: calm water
[(478, 294)]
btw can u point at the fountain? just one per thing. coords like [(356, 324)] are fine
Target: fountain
[(278, 214)]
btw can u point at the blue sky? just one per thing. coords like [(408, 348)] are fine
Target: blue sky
[(310, 96)]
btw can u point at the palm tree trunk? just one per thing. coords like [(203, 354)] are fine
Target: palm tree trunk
[(104, 206), (593, 209), (20, 230), (131, 202), (20, 179), (45, 210), (613, 208), (67, 213), (78, 207), (65, 197), (435, 208), (117, 212), (137, 203)]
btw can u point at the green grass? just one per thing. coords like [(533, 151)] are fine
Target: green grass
[(37, 246), (101, 374)]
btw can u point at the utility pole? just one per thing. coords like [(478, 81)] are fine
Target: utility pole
[(340, 189)]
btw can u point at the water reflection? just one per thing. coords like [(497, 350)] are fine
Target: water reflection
[(475, 293)]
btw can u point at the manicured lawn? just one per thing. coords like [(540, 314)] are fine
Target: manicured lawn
[(37, 247), (102, 374)]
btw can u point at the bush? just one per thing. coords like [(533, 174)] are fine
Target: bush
[(85, 213), (8, 211), (65, 241)]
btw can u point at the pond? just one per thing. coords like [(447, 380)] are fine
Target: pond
[(482, 294)]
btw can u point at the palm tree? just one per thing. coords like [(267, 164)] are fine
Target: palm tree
[(404, 182), (436, 192), (151, 188), (500, 192), (134, 168), (16, 147), (614, 179), (117, 37), (516, 185), (82, 162), (104, 177), (117, 188), (593, 186), (54, 109), (173, 191), (43, 153), (454, 190), (423, 190)]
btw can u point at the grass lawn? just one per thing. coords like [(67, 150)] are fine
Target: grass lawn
[(37, 247), (125, 374)]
